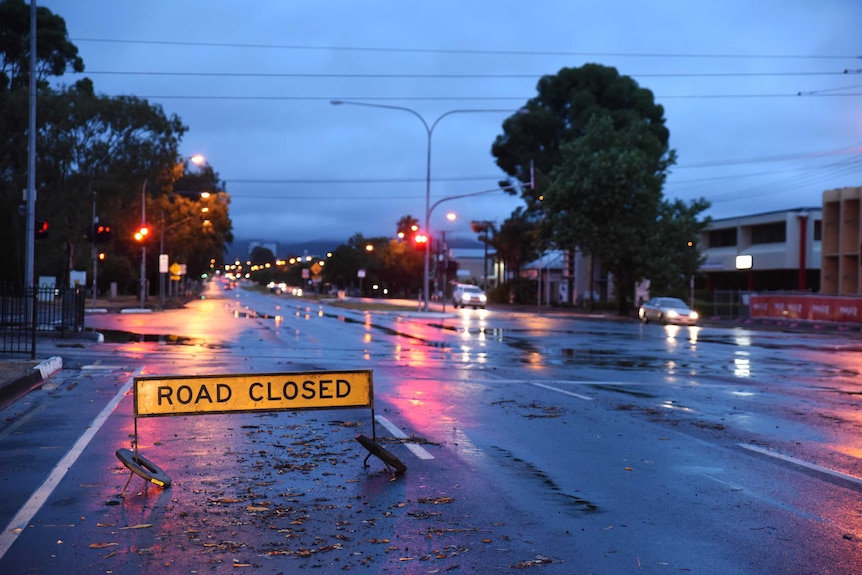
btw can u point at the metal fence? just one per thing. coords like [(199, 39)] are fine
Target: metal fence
[(730, 304), (46, 310)]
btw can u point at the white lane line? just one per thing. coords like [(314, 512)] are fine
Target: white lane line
[(29, 509), (417, 450), (563, 391), (802, 463)]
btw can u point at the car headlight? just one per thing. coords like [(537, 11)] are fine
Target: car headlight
[(693, 315), (483, 297), (672, 313)]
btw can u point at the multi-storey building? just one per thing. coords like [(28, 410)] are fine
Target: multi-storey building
[(772, 251)]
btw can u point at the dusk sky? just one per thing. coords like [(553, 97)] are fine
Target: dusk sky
[(763, 98)]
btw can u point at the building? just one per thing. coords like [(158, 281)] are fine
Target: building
[(842, 242), (562, 276), (772, 251)]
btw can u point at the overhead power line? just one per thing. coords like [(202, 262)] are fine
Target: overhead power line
[(414, 76), (462, 51), (363, 180), (477, 98)]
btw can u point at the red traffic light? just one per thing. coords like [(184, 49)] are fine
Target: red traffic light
[(420, 241), (142, 233), (101, 233), (41, 229)]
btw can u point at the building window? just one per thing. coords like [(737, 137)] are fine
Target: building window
[(722, 238), (769, 233), (818, 230)]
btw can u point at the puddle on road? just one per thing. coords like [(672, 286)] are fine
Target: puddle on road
[(120, 336)]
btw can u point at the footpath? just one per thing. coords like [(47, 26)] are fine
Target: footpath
[(19, 376)]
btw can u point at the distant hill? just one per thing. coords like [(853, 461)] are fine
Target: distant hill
[(240, 249)]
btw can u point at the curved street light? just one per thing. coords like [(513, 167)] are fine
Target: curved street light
[(429, 131)]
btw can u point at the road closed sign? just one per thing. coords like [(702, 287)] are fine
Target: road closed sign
[(190, 395)]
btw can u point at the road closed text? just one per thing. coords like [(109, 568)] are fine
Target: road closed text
[(255, 392)]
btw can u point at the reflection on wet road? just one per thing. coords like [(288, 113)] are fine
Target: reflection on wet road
[(616, 422)]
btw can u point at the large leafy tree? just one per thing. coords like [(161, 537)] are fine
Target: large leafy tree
[(97, 157), (192, 220), (675, 257), (514, 242), (603, 197), (601, 153), (55, 53)]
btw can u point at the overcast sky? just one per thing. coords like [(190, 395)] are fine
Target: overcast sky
[(763, 98)]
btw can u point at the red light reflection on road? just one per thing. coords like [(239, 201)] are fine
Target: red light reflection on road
[(426, 403)]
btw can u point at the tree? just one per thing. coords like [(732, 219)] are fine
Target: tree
[(600, 147), (406, 226), (55, 53), (195, 209), (514, 243), (100, 152), (604, 199), (261, 255), (560, 112), (675, 257)]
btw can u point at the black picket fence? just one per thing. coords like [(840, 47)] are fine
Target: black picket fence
[(26, 312)]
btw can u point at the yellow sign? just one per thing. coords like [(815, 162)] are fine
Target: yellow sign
[(194, 395), (175, 269), (316, 268)]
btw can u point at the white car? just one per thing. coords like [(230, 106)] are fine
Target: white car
[(465, 295), (667, 310)]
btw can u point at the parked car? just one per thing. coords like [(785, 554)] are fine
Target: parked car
[(667, 310), (468, 295)]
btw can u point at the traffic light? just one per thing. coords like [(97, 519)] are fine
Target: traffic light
[(101, 233), (141, 233), (41, 229), (420, 242)]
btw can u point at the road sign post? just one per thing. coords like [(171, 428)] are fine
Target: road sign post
[(162, 396)]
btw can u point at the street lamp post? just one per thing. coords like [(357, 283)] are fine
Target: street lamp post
[(143, 244), (429, 131)]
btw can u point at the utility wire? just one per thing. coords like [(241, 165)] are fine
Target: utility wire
[(413, 76), (462, 51), (472, 98)]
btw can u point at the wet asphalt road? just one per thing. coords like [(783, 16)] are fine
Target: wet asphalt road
[(554, 443)]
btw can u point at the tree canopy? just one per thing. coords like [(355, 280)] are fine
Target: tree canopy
[(55, 53), (601, 153), (97, 157)]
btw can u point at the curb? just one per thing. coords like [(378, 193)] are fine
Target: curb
[(17, 388)]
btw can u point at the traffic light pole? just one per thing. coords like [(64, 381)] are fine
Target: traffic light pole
[(93, 251), (30, 236)]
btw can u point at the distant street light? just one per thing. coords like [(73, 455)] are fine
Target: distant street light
[(429, 130)]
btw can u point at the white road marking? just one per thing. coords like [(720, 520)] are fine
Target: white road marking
[(40, 496), (563, 391), (802, 463), (417, 450)]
